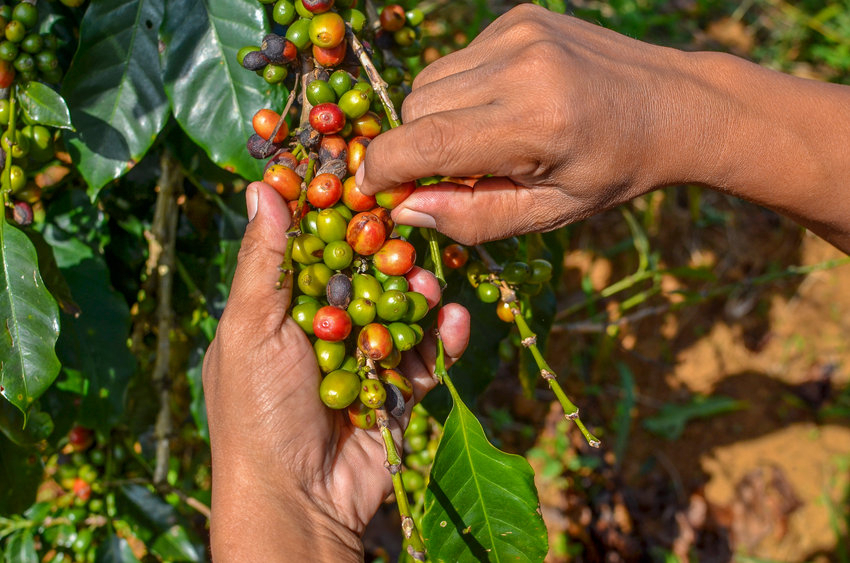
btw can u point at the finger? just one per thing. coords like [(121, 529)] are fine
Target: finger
[(462, 90), (453, 322), (494, 208), (453, 63), (254, 296), (447, 143)]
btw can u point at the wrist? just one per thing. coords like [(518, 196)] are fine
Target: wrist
[(256, 520)]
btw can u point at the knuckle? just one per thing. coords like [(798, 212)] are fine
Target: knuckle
[(412, 108), (524, 24)]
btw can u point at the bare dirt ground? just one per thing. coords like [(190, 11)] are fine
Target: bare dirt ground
[(765, 482)]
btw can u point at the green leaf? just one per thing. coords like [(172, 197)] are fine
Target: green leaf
[(20, 548), (39, 424), (214, 98), (671, 419), (481, 503), (28, 362), (115, 550), (21, 472), (175, 545), (114, 89), (196, 385), (148, 507), (44, 105), (559, 6), (103, 325)]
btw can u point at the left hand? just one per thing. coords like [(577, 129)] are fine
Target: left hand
[(289, 473)]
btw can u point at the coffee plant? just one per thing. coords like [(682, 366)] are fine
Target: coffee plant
[(130, 130)]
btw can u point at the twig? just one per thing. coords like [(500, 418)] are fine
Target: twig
[(282, 119), (378, 83), (416, 547), (307, 68), (372, 16), (162, 240)]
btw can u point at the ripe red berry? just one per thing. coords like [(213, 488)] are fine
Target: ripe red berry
[(284, 180), (80, 438), (393, 17), (324, 190), (318, 6), (395, 258), (392, 197), (375, 341), (82, 490), (265, 121), (327, 118), (332, 324), (455, 256), (366, 233), (354, 199), (357, 152), (330, 57), (367, 125)]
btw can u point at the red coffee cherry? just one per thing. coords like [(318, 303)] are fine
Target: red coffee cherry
[(265, 121), (395, 258), (367, 125), (392, 197), (318, 6), (330, 57), (366, 233), (357, 152), (361, 416), (375, 341), (332, 324), (327, 118), (324, 190), (354, 199), (284, 180), (455, 256), (82, 490), (333, 147), (393, 17), (80, 438)]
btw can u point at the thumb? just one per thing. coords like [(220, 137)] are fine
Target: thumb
[(495, 208), (254, 296)]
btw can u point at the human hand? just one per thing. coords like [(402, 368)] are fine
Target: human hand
[(290, 476), (569, 117)]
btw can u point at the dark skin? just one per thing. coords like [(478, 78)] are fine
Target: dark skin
[(577, 119)]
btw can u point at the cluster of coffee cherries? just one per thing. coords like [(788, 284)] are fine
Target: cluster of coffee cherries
[(24, 52), (359, 295)]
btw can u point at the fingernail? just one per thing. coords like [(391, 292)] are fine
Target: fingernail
[(252, 201), (414, 218), (358, 176)]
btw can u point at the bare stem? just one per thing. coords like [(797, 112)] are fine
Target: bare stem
[(307, 67), (286, 268), (162, 241), (378, 83), (282, 119), (416, 547), (529, 340)]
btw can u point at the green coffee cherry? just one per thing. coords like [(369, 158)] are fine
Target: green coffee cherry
[(404, 337), (341, 82), (320, 92), (329, 355), (362, 311), (338, 255), (308, 249), (488, 293), (339, 389), (314, 278), (284, 12), (417, 307), (366, 287), (392, 305), (303, 315)]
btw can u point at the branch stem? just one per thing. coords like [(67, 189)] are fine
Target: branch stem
[(286, 269), (7, 166)]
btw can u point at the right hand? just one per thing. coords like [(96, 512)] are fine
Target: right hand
[(570, 119)]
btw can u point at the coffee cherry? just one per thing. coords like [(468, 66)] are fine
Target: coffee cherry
[(417, 426), (17, 178), (366, 287), (367, 125), (313, 279), (404, 338), (339, 291), (356, 153), (503, 311), (299, 33), (417, 442), (395, 258), (392, 197), (327, 118), (308, 249), (284, 158), (424, 282), (8, 50), (372, 393), (515, 272), (417, 307), (303, 315), (383, 214), (278, 50), (324, 191), (317, 6), (412, 480), (366, 233), (7, 74), (395, 282), (26, 13), (392, 361), (392, 17), (375, 341), (332, 324), (541, 271), (283, 12), (24, 63), (476, 273), (355, 18), (394, 403), (488, 292), (264, 122), (240, 55), (80, 438), (338, 255), (320, 92), (392, 305), (284, 180), (331, 226), (339, 389), (329, 355), (354, 103), (455, 256), (19, 148), (22, 213), (32, 43), (395, 377), (330, 57), (340, 81), (255, 60), (327, 30), (362, 311), (275, 73), (361, 416), (414, 17), (259, 148)]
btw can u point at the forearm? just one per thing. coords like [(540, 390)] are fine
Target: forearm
[(777, 140), (250, 523)]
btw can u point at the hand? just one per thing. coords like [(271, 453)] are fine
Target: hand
[(573, 119), (290, 475)]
